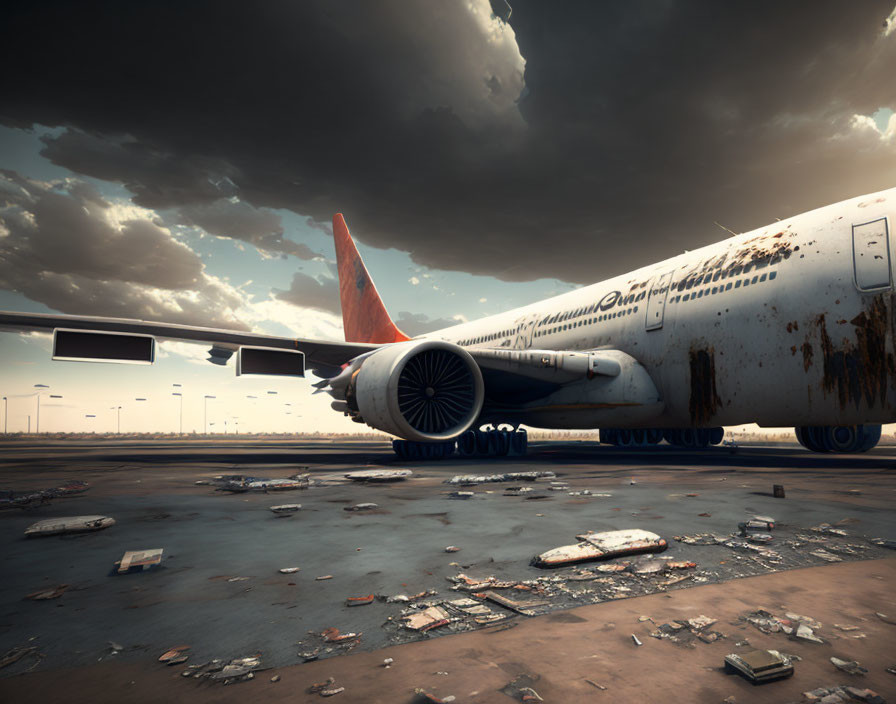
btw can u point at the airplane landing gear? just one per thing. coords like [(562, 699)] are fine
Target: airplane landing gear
[(494, 442), (838, 438), (678, 437)]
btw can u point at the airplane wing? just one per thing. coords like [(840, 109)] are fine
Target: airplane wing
[(112, 334)]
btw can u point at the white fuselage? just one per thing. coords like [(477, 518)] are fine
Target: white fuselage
[(791, 324)]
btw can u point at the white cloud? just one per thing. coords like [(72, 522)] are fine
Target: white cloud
[(414, 281), (483, 300)]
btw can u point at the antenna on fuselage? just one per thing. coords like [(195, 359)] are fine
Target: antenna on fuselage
[(724, 228)]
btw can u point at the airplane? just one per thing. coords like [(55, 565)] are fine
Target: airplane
[(791, 324)]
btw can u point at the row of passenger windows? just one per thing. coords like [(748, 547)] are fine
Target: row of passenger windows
[(683, 285), (712, 291), (587, 321)]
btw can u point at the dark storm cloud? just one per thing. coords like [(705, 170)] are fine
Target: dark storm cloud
[(63, 245), (321, 293), (638, 123)]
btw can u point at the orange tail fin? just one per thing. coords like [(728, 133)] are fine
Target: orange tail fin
[(364, 316)]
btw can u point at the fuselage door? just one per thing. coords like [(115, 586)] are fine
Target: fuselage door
[(656, 301), (871, 255)]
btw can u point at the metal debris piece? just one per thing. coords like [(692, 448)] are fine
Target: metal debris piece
[(289, 570), (387, 663), (461, 495), (360, 600), (424, 697), (68, 524), (825, 555), (361, 507), (595, 546), (635, 639), (320, 686), (778, 491), (173, 653), (804, 632), (332, 691), (759, 665), (379, 475), (452, 548), (139, 561), (471, 479), (332, 635), (44, 594), (850, 666), (524, 607), (427, 619), (828, 529), (323, 577), (275, 678), (286, 509)]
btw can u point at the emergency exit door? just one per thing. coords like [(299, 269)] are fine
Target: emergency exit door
[(656, 301), (871, 255)]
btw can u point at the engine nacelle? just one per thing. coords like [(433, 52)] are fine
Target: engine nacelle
[(423, 390)]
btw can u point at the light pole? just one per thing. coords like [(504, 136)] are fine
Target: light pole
[(178, 393), (39, 386), (117, 408), (90, 415), (5, 414), (205, 418)]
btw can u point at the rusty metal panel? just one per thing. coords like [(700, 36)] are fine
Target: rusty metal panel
[(871, 255), (656, 302)]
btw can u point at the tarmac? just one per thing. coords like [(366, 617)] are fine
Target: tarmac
[(219, 589)]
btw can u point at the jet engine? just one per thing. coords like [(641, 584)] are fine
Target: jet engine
[(422, 390)]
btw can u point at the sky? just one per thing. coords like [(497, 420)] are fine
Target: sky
[(181, 162)]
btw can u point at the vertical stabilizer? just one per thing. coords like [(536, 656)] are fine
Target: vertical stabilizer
[(364, 316)]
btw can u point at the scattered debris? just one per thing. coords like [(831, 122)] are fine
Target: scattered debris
[(361, 507), (44, 594), (471, 479), (595, 546), (825, 555), (452, 548), (387, 663), (850, 666), (759, 665), (275, 678), (40, 497), (139, 561), (288, 570), (843, 694), (379, 475), (20, 651), (635, 639), (521, 689), (828, 529), (461, 495), (286, 509), (360, 600), (323, 577), (68, 524), (778, 491), (320, 686), (595, 684)]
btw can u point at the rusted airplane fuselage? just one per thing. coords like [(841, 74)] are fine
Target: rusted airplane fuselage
[(791, 324)]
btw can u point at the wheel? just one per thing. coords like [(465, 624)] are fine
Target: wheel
[(607, 436), (466, 443), (399, 447), (800, 432), (689, 437), (624, 437), (701, 437), (482, 442), (639, 437), (502, 442), (814, 435), (716, 435), (654, 436), (519, 442), (871, 435), (672, 436), (843, 438)]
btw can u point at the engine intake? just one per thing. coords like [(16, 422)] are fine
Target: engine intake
[(424, 390)]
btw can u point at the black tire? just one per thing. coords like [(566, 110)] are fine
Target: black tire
[(716, 435)]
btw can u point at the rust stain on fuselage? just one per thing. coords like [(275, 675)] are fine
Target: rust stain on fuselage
[(704, 401), (863, 369)]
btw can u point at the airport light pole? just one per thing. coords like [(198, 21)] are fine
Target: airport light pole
[(5, 414), (38, 386), (117, 408), (177, 393), (205, 417)]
